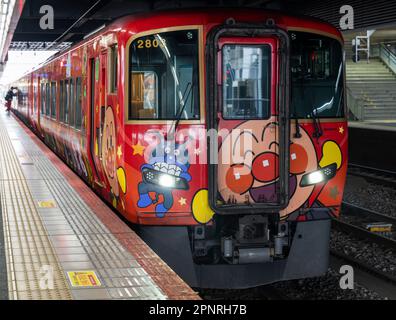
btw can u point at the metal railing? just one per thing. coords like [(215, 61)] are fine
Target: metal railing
[(388, 57), (355, 105)]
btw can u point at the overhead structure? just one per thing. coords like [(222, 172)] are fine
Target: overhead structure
[(38, 46), (74, 19), (10, 11), (368, 14)]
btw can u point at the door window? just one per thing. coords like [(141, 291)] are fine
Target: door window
[(246, 81)]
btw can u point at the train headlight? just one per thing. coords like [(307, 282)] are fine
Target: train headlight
[(315, 178), (322, 175), (167, 180), (164, 180)]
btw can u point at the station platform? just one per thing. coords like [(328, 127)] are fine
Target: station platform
[(374, 125), (58, 240)]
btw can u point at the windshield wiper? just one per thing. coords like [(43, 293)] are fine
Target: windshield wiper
[(317, 125), (179, 114)]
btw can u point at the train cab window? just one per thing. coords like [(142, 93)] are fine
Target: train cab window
[(113, 69), (78, 115), (53, 100), (72, 99), (164, 76), (317, 76), (246, 81)]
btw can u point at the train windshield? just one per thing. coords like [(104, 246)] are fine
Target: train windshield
[(317, 76), (164, 76)]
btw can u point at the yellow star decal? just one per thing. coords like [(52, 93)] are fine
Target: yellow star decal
[(138, 149), (341, 130), (119, 152), (182, 201)]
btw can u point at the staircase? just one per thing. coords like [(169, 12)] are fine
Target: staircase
[(374, 86)]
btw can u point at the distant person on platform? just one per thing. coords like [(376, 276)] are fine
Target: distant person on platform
[(8, 98)]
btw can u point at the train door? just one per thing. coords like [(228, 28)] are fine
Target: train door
[(39, 103), (98, 81), (251, 174), (35, 100)]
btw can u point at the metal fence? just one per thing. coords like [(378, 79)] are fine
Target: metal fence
[(388, 57)]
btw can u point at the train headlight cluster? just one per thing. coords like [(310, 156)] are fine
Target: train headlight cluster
[(164, 180), (322, 175)]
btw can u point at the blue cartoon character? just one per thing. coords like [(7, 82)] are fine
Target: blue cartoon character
[(166, 170)]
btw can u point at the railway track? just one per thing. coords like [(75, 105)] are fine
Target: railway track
[(358, 264), (384, 177), (353, 219), (364, 274), (352, 222)]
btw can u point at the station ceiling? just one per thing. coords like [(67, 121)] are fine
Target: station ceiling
[(76, 18)]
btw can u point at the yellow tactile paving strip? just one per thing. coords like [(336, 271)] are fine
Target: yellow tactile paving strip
[(30, 255)]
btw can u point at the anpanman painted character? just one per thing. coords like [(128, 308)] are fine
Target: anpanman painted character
[(255, 178), (115, 176)]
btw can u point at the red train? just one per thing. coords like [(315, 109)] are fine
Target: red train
[(221, 134)]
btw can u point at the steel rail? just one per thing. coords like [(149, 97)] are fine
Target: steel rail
[(381, 176), (351, 209), (356, 263), (363, 234)]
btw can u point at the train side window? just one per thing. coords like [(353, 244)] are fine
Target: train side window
[(47, 99), (66, 101), (72, 99), (53, 100), (35, 102), (113, 69), (42, 98), (144, 88), (62, 102), (78, 115)]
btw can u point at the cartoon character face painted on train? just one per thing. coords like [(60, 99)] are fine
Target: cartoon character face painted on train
[(255, 178), (166, 170), (109, 150)]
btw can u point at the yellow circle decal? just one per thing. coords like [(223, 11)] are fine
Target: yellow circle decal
[(331, 154), (200, 207), (121, 179)]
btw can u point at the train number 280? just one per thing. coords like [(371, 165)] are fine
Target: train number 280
[(148, 43)]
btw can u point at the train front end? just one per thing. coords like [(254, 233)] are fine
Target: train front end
[(239, 154)]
